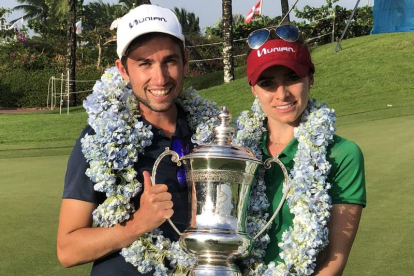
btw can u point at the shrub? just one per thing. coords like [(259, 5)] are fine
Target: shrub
[(29, 88)]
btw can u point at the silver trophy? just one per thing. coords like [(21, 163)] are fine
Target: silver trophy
[(219, 178)]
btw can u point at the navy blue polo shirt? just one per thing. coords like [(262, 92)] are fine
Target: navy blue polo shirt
[(79, 186)]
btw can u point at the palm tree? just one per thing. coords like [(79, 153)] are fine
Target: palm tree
[(130, 4), (33, 9), (99, 16), (43, 9), (71, 50), (190, 23), (228, 41), (285, 10)]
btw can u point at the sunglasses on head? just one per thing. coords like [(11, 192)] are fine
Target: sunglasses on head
[(257, 38)]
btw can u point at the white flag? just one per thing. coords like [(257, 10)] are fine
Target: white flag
[(79, 27), (114, 24), (18, 25)]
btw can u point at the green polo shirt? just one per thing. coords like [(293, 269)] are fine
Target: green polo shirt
[(346, 177)]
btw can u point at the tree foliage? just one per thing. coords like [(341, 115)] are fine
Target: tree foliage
[(34, 9), (97, 47), (5, 34), (318, 22), (190, 23), (97, 18)]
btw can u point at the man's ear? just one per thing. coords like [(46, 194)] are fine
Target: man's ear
[(122, 70)]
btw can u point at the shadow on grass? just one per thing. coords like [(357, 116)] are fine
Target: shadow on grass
[(212, 79), (375, 115)]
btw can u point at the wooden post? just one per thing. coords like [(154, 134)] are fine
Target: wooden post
[(71, 49), (333, 25), (228, 41)]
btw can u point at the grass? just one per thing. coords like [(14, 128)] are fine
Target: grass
[(370, 73), (384, 242), (30, 196), (31, 189), (360, 82), (37, 134), (366, 80)]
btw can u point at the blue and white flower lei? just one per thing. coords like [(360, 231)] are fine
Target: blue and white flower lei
[(307, 197), (120, 136), (113, 150)]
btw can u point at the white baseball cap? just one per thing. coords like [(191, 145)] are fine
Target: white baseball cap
[(143, 20)]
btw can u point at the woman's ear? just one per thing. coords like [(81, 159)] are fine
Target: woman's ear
[(311, 80), (253, 91)]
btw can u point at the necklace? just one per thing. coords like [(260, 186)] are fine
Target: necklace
[(120, 136), (277, 143)]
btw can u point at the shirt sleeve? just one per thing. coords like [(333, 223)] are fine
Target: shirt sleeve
[(347, 176), (77, 184)]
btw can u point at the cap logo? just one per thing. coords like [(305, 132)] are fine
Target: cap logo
[(265, 51), (144, 19)]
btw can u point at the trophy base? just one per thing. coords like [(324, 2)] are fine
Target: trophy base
[(216, 270)]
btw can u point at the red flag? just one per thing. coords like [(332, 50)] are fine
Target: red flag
[(257, 9), (78, 29)]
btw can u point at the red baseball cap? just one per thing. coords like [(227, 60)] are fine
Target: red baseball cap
[(278, 52)]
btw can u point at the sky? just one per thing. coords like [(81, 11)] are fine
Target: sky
[(209, 11)]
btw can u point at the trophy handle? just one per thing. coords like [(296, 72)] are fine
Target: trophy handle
[(267, 164), (176, 159)]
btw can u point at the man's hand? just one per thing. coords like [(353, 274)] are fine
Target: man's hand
[(78, 242), (155, 205)]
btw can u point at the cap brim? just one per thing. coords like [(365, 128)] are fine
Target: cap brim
[(150, 31), (300, 69)]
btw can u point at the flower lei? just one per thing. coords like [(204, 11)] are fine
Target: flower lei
[(120, 136), (307, 197), (113, 150)]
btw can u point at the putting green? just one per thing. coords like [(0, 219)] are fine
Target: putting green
[(385, 243), (31, 187), (30, 195)]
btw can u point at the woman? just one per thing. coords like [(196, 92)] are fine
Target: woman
[(327, 184)]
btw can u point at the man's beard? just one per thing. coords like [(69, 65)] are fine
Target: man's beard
[(147, 104)]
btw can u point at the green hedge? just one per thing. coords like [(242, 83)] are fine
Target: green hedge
[(29, 88)]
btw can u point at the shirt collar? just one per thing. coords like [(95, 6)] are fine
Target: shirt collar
[(289, 150), (182, 128)]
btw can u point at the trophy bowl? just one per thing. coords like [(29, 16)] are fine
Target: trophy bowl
[(219, 178)]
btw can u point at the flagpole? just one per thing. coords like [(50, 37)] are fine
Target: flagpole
[(283, 19)]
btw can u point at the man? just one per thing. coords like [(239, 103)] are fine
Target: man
[(152, 59)]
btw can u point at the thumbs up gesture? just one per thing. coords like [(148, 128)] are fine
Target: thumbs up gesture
[(155, 206)]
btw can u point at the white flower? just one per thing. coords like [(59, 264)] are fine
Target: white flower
[(113, 150), (307, 198), (120, 136)]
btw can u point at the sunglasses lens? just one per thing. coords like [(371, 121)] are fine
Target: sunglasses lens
[(288, 33), (257, 38)]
